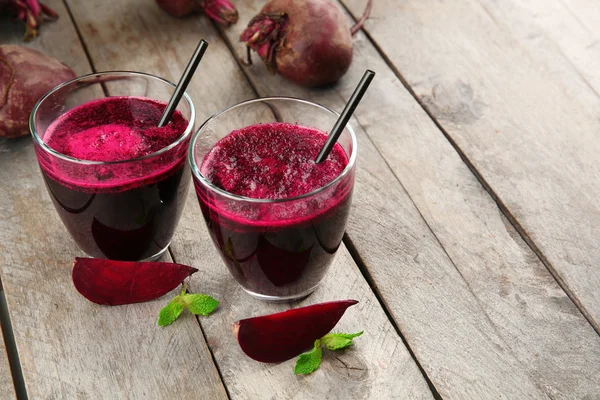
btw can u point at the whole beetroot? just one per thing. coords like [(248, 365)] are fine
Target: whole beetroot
[(25, 76), (308, 42)]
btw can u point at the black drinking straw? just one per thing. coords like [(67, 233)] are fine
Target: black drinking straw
[(341, 122), (183, 83)]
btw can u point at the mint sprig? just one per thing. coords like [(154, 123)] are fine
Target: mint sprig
[(197, 304), (310, 361)]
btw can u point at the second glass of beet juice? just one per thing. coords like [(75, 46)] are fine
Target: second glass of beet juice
[(276, 217), (118, 181)]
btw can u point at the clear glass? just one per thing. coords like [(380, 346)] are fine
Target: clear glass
[(123, 210), (272, 256)]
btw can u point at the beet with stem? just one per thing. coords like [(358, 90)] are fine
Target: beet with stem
[(220, 11), (281, 336), (114, 283), (306, 41), (31, 12)]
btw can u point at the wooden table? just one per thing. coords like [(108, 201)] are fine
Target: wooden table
[(473, 244)]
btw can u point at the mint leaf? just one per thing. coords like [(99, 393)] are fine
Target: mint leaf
[(308, 362), (170, 312), (337, 341), (200, 304)]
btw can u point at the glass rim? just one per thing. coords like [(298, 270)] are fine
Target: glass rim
[(197, 174), (186, 133)]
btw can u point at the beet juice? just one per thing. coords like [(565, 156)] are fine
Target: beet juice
[(280, 230), (123, 195)]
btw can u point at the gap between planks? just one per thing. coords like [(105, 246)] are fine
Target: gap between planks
[(5, 322), (210, 350), (84, 46), (367, 275), (362, 265), (513, 221), (80, 37), (347, 241)]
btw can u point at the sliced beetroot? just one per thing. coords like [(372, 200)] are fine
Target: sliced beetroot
[(123, 282), (281, 336)]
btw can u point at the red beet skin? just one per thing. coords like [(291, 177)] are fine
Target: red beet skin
[(306, 41), (221, 11), (25, 76), (124, 282), (180, 8), (279, 337)]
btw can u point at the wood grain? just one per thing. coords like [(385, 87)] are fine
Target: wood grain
[(435, 310), (520, 111), (378, 366), (6, 383), (137, 35), (485, 272), (570, 29), (481, 313), (374, 367), (69, 347)]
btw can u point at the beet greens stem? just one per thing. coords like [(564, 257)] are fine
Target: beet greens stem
[(359, 24)]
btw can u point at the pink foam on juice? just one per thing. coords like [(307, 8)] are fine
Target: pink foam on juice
[(110, 142), (113, 129), (272, 161), (109, 130)]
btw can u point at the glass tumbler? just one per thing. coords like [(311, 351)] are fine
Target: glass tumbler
[(276, 249), (125, 209)]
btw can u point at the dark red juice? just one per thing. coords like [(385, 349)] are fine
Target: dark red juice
[(280, 248), (116, 209)]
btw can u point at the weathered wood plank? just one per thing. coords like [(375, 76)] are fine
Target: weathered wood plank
[(435, 310), (6, 383), (506, 285), (377, 367), (525, 118), (569, 29), (383, 365), (135, 35), (69, 51), (69, 347)]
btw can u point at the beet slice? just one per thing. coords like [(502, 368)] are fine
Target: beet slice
[(281, 336), (124, 282)]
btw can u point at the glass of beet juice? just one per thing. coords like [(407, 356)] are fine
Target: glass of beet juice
[(118, 181), (276, 217)]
